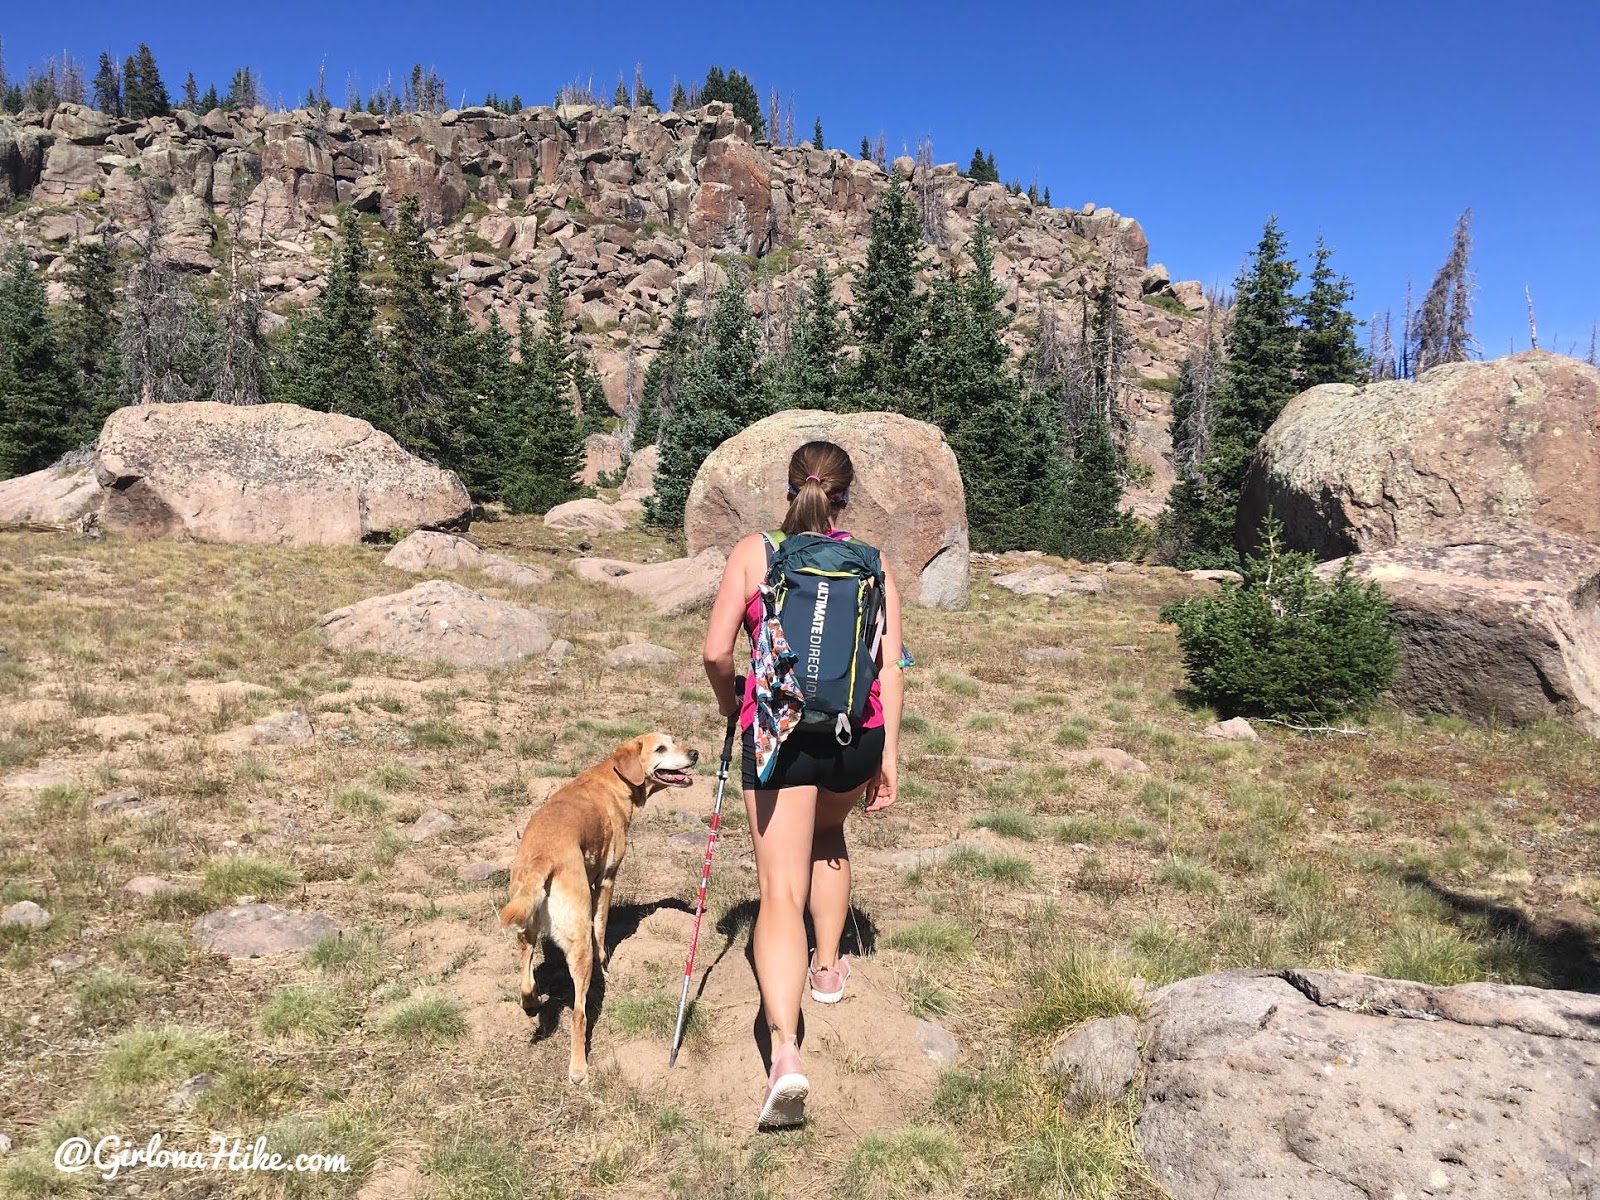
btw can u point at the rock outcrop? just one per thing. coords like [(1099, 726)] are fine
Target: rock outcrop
[(586, 516), (907, 498), (439, 620), (635, 203), (427, 551), (678, 585), (1321, 1085), (50, 496), (1498, 621), (1349, 469), (265, 475)]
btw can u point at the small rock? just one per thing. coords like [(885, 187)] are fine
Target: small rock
[(284, 729), (122, 798), (938, 1043), (914, 860), (1045, 580), (1235, 729), (560, 650), (688, 841), (150, 886), (1121, 568), (280, 729), (1109, 757), (63, 964), (639, 654), (684, 817), (482, 872), (430, 823), (5, 1138), (190, 1090), (1098, 1060), (25, 914), (591, 516), (1052, 654), (251, 930), (1204, 576)]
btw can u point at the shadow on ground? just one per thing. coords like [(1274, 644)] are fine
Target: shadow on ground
[(1569, 947), (554, 982)]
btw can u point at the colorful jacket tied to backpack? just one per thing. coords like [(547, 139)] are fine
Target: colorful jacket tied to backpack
[(815, 652)]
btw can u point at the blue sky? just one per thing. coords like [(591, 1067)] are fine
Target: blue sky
[(1374, 122)]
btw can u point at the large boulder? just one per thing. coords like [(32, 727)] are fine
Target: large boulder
[(49, 495), (585, 516), (1498, 620), (266, 474), (1322, 1085), (678, 585), (439, 620), (907, 498), (1350, 469), (428, 551)]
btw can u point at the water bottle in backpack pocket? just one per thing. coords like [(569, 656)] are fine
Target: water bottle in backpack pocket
[(828, 594)]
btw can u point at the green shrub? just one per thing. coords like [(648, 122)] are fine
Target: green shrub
[(1286, 644)]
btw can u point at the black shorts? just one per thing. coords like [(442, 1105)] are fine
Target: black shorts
[(816, 760)]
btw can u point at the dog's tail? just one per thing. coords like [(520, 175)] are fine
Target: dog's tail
[(530, 893)]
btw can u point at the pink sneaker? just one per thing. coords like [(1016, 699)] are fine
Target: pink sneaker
[(787, 1090), (827, 983)]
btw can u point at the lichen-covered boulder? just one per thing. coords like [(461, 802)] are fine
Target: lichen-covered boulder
[(265, 475), (1350, 469)]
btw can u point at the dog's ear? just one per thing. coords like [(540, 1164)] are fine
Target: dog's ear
[(630, 761)]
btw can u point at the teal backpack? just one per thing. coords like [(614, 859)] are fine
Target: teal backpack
[(828, 594)]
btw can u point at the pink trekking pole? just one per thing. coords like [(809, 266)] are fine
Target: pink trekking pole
[(705, 878)]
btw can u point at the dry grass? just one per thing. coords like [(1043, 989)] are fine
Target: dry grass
[(1429, 849)]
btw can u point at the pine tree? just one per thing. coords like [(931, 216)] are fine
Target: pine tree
[(964, 382), (89, 329), (866, 149), (36, 399), (620, 100), (243, 91), (167, 343), (549, 452), (886, 322), (143, 93), (816, 136), (720, 395), (108, 87), (1443, 331), (1261, 376), (594, 413), (330, 360), (210, 100), (414, 346), (191, 93), (991, 173), (816, 351), (736, 90), (1329, 352), (490, 429), (680, 99), (664, 376)]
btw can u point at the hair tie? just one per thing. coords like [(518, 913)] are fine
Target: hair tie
[(813, 478)]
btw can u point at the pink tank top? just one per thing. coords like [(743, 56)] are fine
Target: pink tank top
[(752, 617)]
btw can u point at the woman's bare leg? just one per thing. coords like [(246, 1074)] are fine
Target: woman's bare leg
[(830, 872), (782, 824)]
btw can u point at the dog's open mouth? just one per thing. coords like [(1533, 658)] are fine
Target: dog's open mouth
[(672, 778)]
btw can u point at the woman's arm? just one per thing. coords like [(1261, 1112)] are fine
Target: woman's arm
[(891, 693), (727, 616)]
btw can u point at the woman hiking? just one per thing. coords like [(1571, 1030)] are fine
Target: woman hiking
[(807, 758)]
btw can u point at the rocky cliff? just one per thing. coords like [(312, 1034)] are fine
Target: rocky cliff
[(638, 205)]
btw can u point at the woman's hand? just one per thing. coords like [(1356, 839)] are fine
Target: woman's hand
[(730, 707), (884, 790)]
